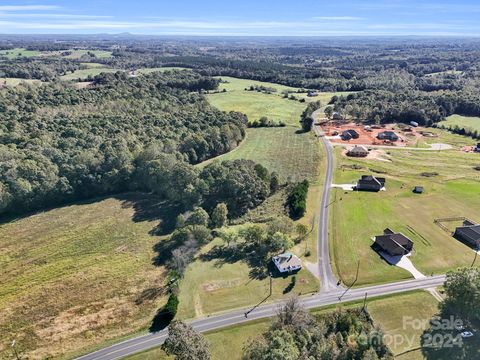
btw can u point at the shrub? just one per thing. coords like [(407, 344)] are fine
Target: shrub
[(297, 200)]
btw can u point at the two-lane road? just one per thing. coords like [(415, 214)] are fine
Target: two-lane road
[(236, 317), (330, 293)]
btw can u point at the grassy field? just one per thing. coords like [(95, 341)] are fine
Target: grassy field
[(358, 216), (77, 54), (214, 284), (76, 276), (17, 81), (18, 52), (292, 155), (387, 312), (256, 104), (392, 314), (92, 65), (85, 73), (467, 122)]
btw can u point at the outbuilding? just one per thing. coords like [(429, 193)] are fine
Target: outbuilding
[(337, 116), (418, 189)]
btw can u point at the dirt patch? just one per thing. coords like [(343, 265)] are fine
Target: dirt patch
[(221, 284), (373, 154), (368, 134)]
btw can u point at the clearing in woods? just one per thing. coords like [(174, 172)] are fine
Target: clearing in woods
[(466, 122)]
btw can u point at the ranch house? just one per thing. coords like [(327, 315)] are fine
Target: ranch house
[(370, 183), (387, 135), (394, 244), (287, 262), (468, 233)]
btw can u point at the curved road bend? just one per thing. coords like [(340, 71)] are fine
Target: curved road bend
[(151, 340), (329, 294)]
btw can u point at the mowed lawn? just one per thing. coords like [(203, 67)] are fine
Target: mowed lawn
[(386, 312), (395, 315), (76, 276), (356, 217), (214, 285), (467, 122)]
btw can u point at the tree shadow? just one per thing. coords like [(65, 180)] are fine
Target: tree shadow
[(149, 207), (222, 254), (163, 250), (440, 344), (161, 320)]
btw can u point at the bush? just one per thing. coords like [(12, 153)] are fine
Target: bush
[(297, 200), (165, 315)]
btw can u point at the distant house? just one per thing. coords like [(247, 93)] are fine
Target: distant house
[(414, 123), (370, 183), (287, 262), (394, 244), (469, 233), (312, 93), (418, 189), (358, 151), (477, 148), (349, 134), (337, 116), (387, 135)]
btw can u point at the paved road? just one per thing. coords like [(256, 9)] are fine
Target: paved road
[(151, 340), (330, 293)]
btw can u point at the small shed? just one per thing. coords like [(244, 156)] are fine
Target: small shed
[(337, 116), (418, 189), (414, 123)]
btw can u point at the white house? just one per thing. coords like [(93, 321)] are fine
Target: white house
[(287, 262)]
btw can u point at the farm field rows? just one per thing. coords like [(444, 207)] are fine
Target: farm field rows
[(451, 188), (77, 275)]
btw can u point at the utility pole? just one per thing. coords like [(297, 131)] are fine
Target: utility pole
[(15, 350), (270, 275), (365, 302), (354, 281), (475, 258)]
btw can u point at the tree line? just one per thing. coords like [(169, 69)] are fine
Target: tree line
[(58, 143)]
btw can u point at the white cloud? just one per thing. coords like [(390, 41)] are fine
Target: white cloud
[(338, 18), (28, 7)]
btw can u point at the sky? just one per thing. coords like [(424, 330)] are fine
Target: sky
[(243, 17)]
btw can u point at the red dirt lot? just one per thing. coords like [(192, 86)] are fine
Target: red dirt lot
[(332, 128)]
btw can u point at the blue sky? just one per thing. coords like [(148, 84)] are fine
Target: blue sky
[(243, 17)]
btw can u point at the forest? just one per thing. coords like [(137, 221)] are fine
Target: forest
[(59, 143)]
